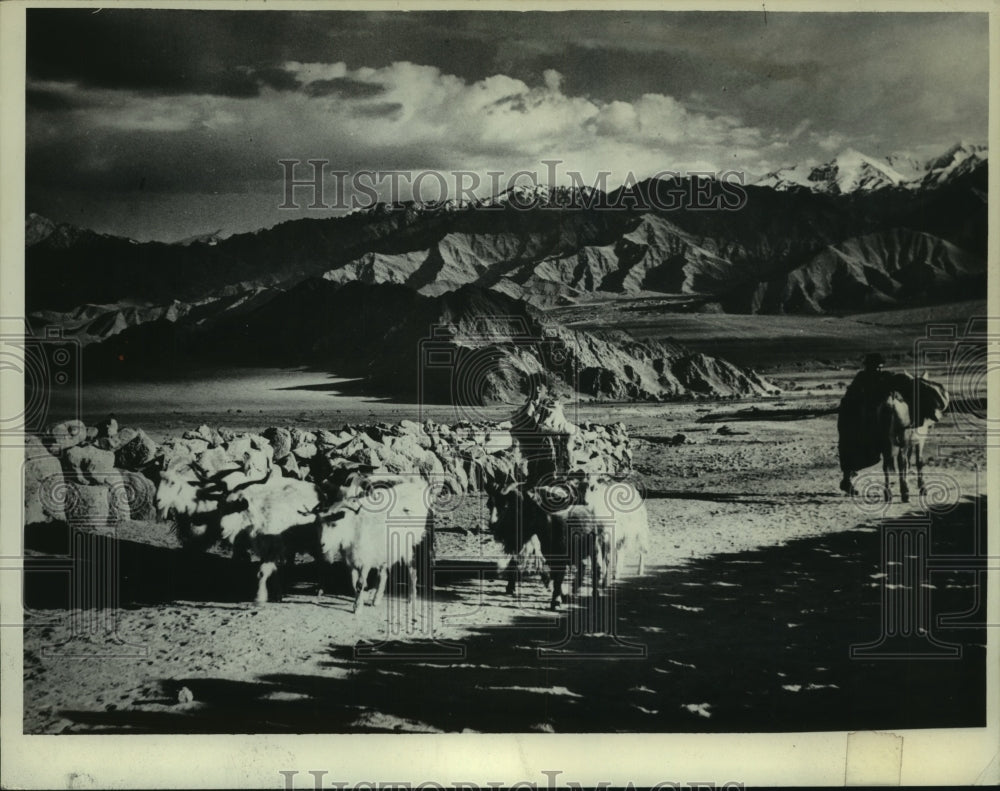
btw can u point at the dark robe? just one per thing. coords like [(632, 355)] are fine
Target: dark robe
[(857, 420)]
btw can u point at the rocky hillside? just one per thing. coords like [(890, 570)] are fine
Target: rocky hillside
[(469, 346), (874, 271)]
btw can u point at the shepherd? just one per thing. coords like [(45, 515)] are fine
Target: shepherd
[(544, 452), (858, 444), (886, 416)]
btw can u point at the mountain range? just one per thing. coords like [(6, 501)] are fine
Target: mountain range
[(856, 234)]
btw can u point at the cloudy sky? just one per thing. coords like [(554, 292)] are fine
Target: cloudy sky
[(164, 124)]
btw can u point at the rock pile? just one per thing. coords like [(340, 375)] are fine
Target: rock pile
[(88, 476), (110, 478), (466, 456)]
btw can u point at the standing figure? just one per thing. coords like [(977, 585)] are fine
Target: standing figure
[(857, 419), (536, 448)]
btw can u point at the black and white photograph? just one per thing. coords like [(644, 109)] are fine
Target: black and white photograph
[(476, 371)]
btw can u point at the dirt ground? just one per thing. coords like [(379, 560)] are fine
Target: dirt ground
[(761, 577)]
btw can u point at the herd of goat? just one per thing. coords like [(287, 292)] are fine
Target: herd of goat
[(373, 521), (366, 496)]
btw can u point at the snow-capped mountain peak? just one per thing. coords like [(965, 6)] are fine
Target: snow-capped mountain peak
[(854, 171), (957, 154), (539, 195), (960, 158), (907, 164)]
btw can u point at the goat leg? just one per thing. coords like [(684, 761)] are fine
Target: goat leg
[(887, 470), (612, 561), (512, 574), (412, 591), (383, 576), (360, 577), (904, 490), (597, 566), (918, 449), (578, 577), (265, 571), (558, 575)]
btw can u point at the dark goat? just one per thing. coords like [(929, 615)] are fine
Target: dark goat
[(565, 533)]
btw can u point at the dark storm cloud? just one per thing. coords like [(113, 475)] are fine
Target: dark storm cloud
[(612, 71), (229, 52), (182, 103), (119, 49), (458, 43), (606, 55)]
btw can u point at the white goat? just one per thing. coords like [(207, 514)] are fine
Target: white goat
[(377, 531), (619, 509), (271, 508)]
